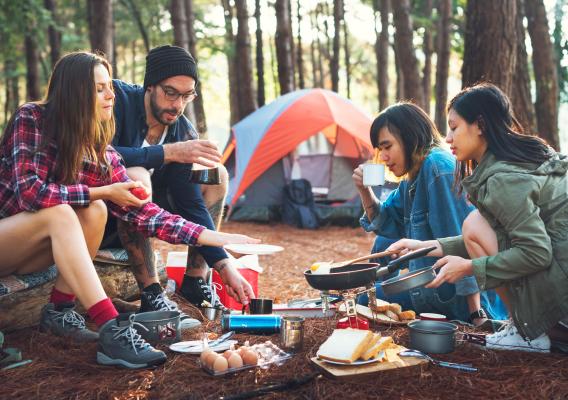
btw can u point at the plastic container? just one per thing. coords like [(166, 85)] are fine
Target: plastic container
[(268, 354), (250, 275)]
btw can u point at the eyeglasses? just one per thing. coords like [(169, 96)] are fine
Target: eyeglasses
[(172, 94)]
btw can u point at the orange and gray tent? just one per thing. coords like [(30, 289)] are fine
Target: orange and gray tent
[(260, 145)]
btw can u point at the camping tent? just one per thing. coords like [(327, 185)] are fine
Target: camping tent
[(314, 134)]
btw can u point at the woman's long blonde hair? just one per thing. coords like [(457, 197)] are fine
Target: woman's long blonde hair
[(71, 118)]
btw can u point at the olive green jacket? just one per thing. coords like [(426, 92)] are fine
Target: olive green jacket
[(527, 206)]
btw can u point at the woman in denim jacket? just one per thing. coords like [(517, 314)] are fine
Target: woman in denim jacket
[(423, 207)]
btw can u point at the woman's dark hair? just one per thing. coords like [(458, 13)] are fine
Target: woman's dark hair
[(487, 105), (414, 130)]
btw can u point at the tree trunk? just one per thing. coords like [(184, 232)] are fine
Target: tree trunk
[(320, 47), (179, 25), (247, 96), (545, 73), (198, 108), (443, 64), (382, 50), (283, 50), (292, 46), (99, 14), (408, 62), (400, 94), (131, 6), (299, 50), (427, 48), (12, 92), (521, 98), (53, 32), (32, 69), (347, 54), (490, 44), (133, 63), (313, 59), (260, 95), (334, 66), (230, 51)]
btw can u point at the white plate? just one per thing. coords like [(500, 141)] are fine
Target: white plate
[(356, 362), (253, 248), (196, 346)]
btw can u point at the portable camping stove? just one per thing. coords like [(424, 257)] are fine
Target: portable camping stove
[(348, 296)]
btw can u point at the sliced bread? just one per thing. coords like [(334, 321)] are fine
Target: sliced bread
[(379, 346), (345, 345)]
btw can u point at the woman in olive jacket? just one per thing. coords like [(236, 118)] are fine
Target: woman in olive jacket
[(517, 240)]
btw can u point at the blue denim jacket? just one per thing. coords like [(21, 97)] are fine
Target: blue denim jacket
[(425, 209), (130, 132)]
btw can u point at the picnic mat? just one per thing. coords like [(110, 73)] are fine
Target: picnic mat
[(62, 370), (14, 283)]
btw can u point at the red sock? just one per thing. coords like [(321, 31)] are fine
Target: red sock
[(102, 312), (58, 297)]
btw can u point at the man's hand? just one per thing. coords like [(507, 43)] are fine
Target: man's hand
[(203, 152), (237, 286), (404, 246), (452, 269)]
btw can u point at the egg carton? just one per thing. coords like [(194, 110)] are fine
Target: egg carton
[(268, 354)]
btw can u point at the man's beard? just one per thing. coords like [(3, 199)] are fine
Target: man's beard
[(157, 112)]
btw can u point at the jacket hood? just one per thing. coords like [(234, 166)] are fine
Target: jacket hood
[(489, 166)]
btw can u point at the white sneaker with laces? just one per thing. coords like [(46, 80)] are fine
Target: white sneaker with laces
[(508, 338)]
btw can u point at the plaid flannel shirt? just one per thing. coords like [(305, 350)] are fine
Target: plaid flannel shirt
[(27, 182)]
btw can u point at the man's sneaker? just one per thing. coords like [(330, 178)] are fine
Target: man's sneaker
[(197, 291), (509, 338), (160, 302), (67, 323), (120, 344)]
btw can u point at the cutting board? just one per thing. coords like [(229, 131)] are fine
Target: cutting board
[(346, 371)]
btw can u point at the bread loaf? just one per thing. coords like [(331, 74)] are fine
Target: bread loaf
[(407, 315), (345, 345), (380, 345)]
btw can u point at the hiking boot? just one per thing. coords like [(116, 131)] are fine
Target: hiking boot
[(509, 338), (197, 291), (66, 323), (120, 344), (160, 302)]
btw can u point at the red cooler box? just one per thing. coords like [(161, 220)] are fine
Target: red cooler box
[(249, 274)]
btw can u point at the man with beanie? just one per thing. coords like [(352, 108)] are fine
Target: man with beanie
[(159, 145)]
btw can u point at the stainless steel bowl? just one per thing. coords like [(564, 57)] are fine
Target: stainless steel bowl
[(212, 313), (432, 336)]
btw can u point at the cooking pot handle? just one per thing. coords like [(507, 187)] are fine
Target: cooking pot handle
[(396, 264)]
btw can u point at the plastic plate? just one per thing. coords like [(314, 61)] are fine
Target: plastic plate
[(258, 249)]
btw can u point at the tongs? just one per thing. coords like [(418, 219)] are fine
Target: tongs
[(396, 263)]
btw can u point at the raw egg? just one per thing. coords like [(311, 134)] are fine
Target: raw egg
[(235, 361), (210, 359), (204, 355), (227, 354), (220, 365), (250, 357)]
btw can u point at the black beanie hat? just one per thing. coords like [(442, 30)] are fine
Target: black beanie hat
[(166, 61)]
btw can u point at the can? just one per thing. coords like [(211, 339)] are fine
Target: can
[(252, 323)]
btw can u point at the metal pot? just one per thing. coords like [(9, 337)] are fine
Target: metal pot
[(432, 336), (359, 275), (408, 281), (159, 326)]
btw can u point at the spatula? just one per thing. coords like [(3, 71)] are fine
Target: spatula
[(363, 258)]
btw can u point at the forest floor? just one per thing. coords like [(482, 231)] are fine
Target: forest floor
[(64, 370)]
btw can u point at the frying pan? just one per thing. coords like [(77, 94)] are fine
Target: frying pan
[(358, 275), (408, 281)]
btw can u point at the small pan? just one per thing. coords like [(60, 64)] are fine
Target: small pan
[(358, 275), (408, 281)]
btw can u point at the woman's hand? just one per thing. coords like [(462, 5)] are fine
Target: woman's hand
[(452, 269), (358, 179), (120, 194), (404, 246), (219, 239)]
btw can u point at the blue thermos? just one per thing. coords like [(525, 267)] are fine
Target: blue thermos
[(261, 323)]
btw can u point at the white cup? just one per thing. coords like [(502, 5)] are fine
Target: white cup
[(373, 174)]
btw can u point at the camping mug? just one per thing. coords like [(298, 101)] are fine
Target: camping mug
[(259, 306), (292, 333), (373, 174), (203, 175)]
